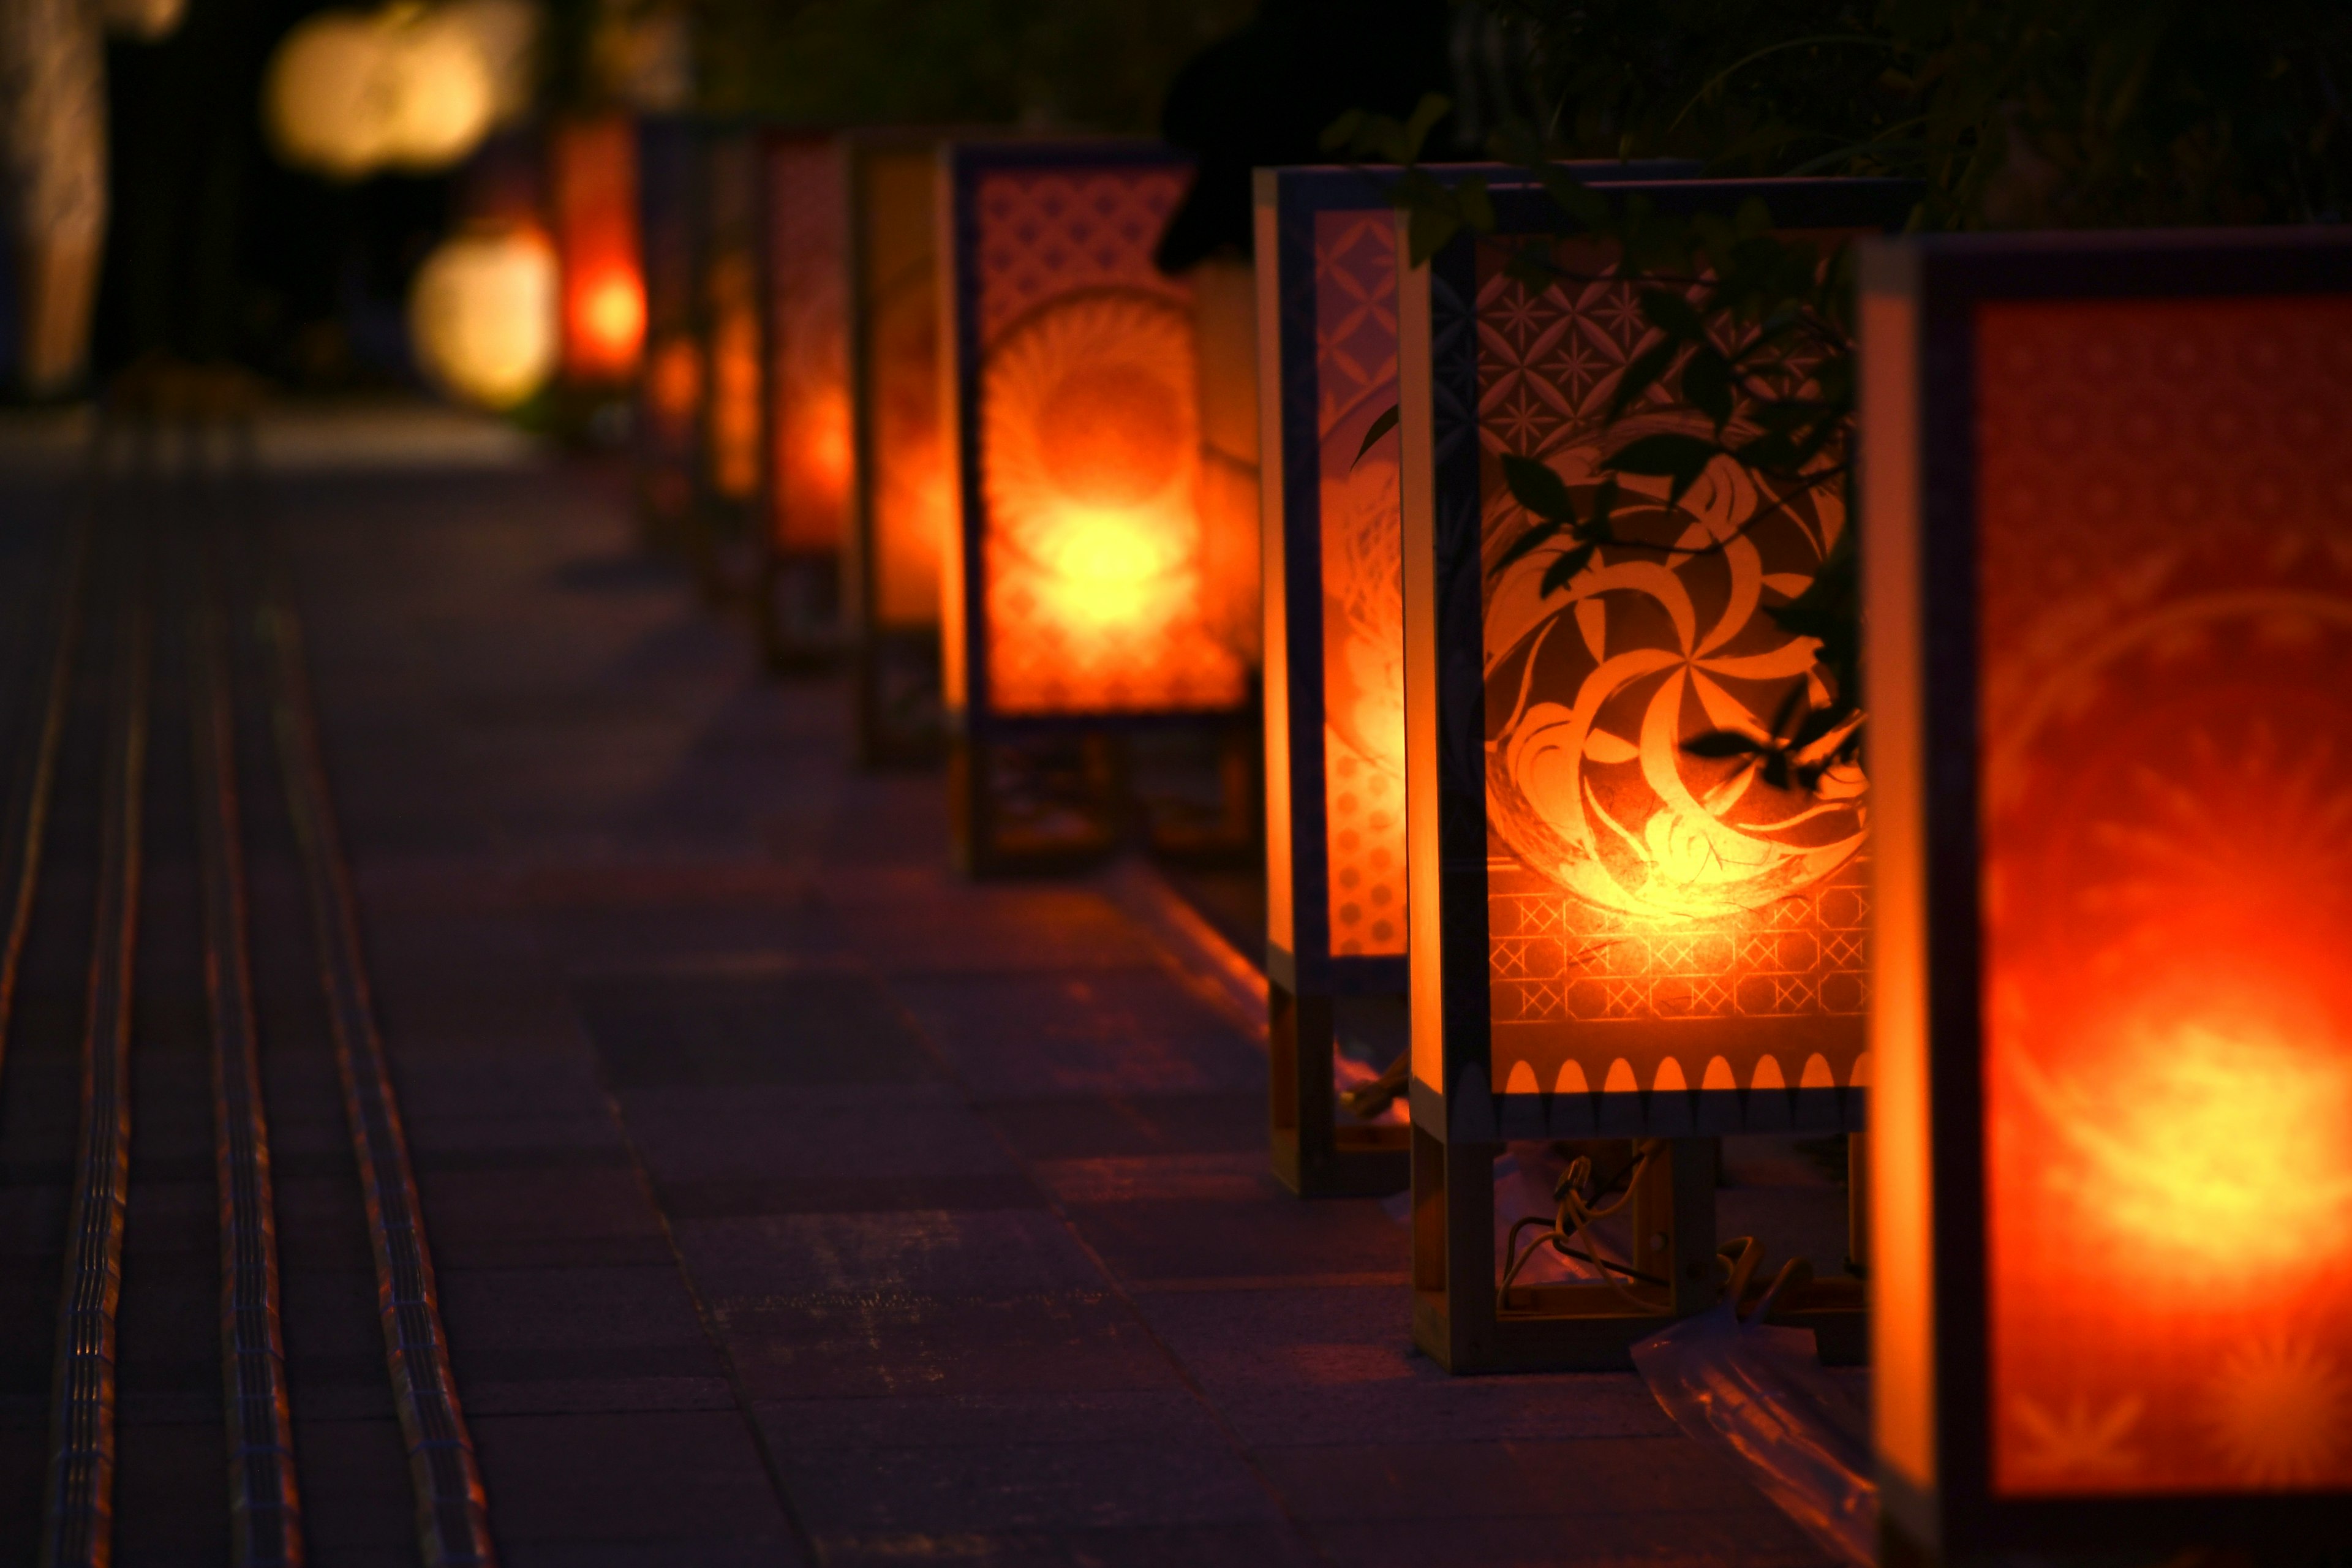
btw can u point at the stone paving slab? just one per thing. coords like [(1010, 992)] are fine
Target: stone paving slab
[(799, 1202)]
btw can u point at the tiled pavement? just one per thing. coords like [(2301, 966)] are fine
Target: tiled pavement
[(797, 1201)]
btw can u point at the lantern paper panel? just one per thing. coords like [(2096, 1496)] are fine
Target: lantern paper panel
[(1669, 943), (2109, 555), (670, 393), (595, 200), (903, 459), (809, 440), (1331, 374), (2165, 554), (1086, 565), (730, 283)]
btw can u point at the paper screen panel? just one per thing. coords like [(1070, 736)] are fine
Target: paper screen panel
[(732, 309), (911, 495), (1657, 921), (811, 452), (1362, 580), (596, 190), (1092, 546), (2165, 514)]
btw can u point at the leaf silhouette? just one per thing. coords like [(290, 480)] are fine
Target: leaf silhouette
[(1535, 487), (1377, 429)]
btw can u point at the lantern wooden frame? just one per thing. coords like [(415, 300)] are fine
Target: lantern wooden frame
[(1113, 263), (667, 435), (804, 298), (1327, 360), (729, 546), (1924, 496), (1460, 1124), (894, 650)]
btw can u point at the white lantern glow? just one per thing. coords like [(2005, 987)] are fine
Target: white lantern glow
[(482, 317), (405, 87)]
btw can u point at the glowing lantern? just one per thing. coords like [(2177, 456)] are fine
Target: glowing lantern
[(731, 307), (900, 487), (1334, 638), (482, 317), (406, 88), (593, 168), (809, 433), (1088, 590), (1610, 938), (671, 392), (2108, 557)]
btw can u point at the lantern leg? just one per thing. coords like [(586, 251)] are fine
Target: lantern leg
[(1047, 803), (895, 686), (1315, 1154), (1465, 1321), (797, 611)]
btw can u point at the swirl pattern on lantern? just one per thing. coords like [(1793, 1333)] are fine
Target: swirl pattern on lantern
[(1090, 469), (1587, 778)]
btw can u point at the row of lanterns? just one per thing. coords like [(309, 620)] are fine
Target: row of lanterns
[(2074, 940)]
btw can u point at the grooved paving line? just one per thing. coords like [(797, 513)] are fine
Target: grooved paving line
[(265, 1507), (452, 1514), (79, 1522)]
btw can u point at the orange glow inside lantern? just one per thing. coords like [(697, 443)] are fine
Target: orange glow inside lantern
[(734, 424), (908, 500), (593, 180), (1363, 584), (1657, 921), (673, 387), (1096, 556), (810, 453), (2166, 615)]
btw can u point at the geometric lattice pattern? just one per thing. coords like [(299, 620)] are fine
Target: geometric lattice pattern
[(1362, 580)]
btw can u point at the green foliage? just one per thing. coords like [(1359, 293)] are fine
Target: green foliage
[(2007, 113), (1100, 64)]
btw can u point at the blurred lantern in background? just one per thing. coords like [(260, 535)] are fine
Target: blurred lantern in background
[(1612, 938), (670, 390), (482, 317), (410, 87), (809, 439), (730, 311), (594, 184), (2108, 548), (1088, 589), (901, 496)]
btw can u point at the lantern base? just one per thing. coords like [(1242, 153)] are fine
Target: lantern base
[(1466, 1322), (895, 685), (1049, 803), (1318, 1152), (797, 609)]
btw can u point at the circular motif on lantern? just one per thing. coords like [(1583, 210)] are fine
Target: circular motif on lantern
[(349, 93), (1592, 690), (1089, 448), (482, 317)]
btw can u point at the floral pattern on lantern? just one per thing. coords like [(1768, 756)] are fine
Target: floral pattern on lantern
[(2165, 612)]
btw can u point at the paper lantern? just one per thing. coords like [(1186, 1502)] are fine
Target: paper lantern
[(593, 169), (900, 496), (406, 88), (1610, 938), (809, 440), (668, 438), (482, 317), (1088, 590), (1333, 639), (731, 313), (2108, 548)]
